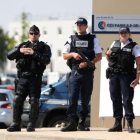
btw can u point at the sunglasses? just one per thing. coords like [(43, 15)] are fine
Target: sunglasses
[(34, 33)]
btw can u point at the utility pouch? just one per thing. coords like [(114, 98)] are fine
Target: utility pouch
[(69, 63), (16, 82), (108, 73)]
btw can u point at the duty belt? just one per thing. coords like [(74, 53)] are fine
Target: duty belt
[(115, 71), (28, 74)]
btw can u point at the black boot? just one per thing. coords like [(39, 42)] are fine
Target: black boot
[(17, 112), (138, 131), (81, 124), (14, 127), (72, 126), (31, 127), (117, 126), (130, 126), (33, 114)]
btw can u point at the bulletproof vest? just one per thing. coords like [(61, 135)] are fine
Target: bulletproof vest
[(26, 63), (122, 60), (85, 43)]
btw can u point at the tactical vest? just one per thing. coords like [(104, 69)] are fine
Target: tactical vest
[(85, 43), (26, 63), (122, 60)]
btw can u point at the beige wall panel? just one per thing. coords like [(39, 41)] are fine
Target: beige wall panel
[(111, 7), (120, 7)]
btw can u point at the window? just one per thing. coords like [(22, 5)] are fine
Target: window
[(59, 53), (16, 32), (59, 31), (12, 93), (74, 29), (45, 31), (3, 97)]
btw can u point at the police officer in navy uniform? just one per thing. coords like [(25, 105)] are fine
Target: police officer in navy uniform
[(31, 58), (81, 79), (122, 55)]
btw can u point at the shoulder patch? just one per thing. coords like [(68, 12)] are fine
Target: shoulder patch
[(137, 47)]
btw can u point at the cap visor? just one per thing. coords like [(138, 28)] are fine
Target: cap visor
[(80, 22)]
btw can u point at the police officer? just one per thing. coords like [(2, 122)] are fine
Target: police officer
[(123, 77), (31, 58), (81, 79)]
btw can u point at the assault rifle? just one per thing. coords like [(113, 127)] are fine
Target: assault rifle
[(85, 59)]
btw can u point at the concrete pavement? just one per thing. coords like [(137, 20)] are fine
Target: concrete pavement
[(55, 134)]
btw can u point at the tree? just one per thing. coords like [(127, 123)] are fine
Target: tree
[(24, 27), (11, 43), (3, 48), (6, 44), (24, 36)]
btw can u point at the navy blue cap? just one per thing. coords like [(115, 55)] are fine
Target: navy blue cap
[(81, 21), (34, 29), (124, 29)]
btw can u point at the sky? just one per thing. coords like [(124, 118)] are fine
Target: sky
[(10, 10)]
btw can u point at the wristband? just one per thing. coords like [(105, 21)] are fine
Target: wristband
[(138, 72)]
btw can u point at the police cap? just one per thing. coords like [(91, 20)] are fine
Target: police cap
[(34, 29), (81, 21), (124, 29)]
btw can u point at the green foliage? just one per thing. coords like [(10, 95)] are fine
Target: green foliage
[(11, 43), (3, 47), (6, 44), (24, 27)]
